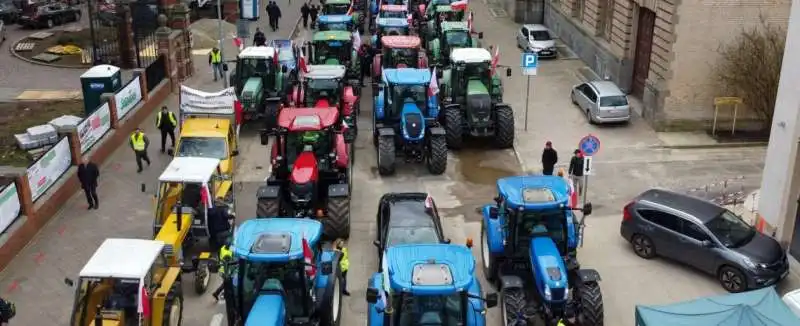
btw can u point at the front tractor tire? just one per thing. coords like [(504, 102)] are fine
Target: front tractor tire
[(514, 307), (437, 155), (173, 307), (489, 261), (454, 127), (591, 305), (337, 224), (504, 129), (386, 155), (268, 207)]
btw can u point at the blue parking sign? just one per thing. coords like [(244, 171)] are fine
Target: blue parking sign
[(530, 62)]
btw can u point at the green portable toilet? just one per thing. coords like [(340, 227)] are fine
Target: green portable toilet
[(96, 81)]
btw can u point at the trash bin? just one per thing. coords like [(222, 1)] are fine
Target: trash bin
[(96, 81)]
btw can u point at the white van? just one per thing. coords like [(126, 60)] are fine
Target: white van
[(792, 299)]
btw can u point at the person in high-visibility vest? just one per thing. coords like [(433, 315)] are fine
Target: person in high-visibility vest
[(225, 257), (215, 61), (344, 264), (166, 122), (139, 144)]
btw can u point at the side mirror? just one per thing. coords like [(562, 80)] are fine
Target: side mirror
[(235, 152), (377, 244), (493, 212), (480, 35), (69, 282), (284, 69), (224, 67), (171, 152), (439, 73), (447, 241), (508, 72), (469, 243), (372, 295), (327, 268), (587, 209), (491, 300)]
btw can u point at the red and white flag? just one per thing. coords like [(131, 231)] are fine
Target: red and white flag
[(205, 196), (429, 202), (350, 10), (470, 19), (237, 42), (308, 258), (495, 58), (302, 64), (410, 19), (460, 5), (238, 111), (356, 40), (143, 307), (433, 87), (275, 57)]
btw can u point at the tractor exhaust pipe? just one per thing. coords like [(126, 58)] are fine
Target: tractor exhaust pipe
[(179, 217)]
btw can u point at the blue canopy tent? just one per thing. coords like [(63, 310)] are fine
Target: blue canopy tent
[(754, 308)]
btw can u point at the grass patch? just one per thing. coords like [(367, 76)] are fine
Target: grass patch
[(19, 116)]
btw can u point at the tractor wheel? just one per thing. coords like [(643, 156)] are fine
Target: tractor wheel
[(504, 127), (489, 260), (453, 120), (514, 307), (591, 305), (437, 155), (201, 278), (386, 155), (268, 208), (333, 315), (271, 116), (173, 307), (337, 223)]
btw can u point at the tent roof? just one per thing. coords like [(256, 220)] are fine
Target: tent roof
[(754, 308)]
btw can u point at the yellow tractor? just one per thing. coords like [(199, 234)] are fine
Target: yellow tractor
[(128, 283), (189, 188)]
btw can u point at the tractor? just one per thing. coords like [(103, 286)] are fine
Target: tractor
[(335, 48), (188, 187), (529, 241), (427, 284), (343, 7), (311, 174), (375, 5), (399, 52), (335, 23), (260, 83), (453, 35), (388, 27), (405, 123), (436, 13), (324, 86), (280, 274), (472, 96), (111, 284), (389, 11)]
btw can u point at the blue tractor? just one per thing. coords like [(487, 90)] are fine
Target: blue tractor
[(427, 284), (270, 282), (405, 121), (529, 241), (335, 23)]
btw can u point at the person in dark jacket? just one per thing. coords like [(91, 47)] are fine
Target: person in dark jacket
[(7, 311), (274, 13), (166, 122), (304, 13), (219, 224), (549, 158), (258, 38), (313, 12), (366, 61), (576, 171), (88, 175)]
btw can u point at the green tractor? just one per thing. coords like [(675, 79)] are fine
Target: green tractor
[(260, 83), (335, 48), (472, 97), (437, 12), (453, 35), (343, 7)]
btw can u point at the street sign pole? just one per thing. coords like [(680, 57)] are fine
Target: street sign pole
[(527, 101), (530, 62), (589, 146)]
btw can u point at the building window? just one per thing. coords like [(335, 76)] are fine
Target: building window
[(577, 8), (605, 21)]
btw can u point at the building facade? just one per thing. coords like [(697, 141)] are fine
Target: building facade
[(661, 51)]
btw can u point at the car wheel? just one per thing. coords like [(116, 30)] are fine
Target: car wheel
[(572, 97), (50, 23), (589, 117), (732, 279), (643, 246)]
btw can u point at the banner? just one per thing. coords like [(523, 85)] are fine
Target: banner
[(94, 127), (9, 206), (127, 98), (46, 171), (197, 101), (248, 9)]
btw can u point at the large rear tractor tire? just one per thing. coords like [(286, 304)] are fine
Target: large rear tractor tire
[(514, 307), (386, 155), (591, 305), (173, 307), (333, 313), (202, 278), (437, 156), (271, 115), (337, 224), (268, 207), (504, 129), (453, 126), (489, 262)]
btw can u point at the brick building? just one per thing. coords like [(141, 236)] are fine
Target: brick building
[(661, 51)]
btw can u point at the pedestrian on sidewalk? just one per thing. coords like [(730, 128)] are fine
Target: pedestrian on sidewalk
[(575, 171), (274, 13), (344, 264), (304, 13), (366, 61), (258, 38), (139, 144), (313, 12), (215, 61), (88, 173), (549, 158), (7, 311), (166, 122)]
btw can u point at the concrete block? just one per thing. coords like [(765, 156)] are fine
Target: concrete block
[(25, 142), (42, 132), (65, 122)]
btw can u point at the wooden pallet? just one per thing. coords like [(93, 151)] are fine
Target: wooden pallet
[(25, 47), (40, 35)]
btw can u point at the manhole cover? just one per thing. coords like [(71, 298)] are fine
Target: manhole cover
[(46, 57), (498, 12), (27, 46), (40, 35)]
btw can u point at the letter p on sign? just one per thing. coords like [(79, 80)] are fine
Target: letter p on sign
[(530, 61)]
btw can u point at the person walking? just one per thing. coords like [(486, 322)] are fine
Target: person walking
[(88, 175), (575, 171), (366, 61), (549, 158), (344, 264), (166, 122), (304, 13), (139, 144), (258, 38), (313, 12), (215, 61), (278, 15), (271, 15), (225, 257)]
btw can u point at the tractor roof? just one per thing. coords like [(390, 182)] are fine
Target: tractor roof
[(401, 41), (275, 239), (123, 258), (470, 55), (442, 2), (392, 22), (444, 8), (257, 52), (430, 269), (332, 36), (407, 76), (307, 119), (394, 8), (333, 19), (534, 192), (450, 26), (190, 170), (337, 2), (325, 71)]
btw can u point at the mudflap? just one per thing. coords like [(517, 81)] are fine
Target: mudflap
[(268, 201), (588, 275)]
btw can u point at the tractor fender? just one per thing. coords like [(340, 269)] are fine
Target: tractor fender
[(338, 190), (511, 282), (379, 112), (588, 275), (388, 132), (342, 154), (494, 230), (268, 192), (350, 99), (436, 131), (375, 315), (324, 285)]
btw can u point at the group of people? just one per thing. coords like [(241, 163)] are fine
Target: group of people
[(575, 169), (309, 10)]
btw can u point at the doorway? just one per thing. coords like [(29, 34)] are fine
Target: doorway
[(644, 48)]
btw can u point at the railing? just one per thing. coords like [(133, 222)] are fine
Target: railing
[(156, 72)]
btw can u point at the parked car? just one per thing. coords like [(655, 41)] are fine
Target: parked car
[(536, 38), (49, 15), (8, 12), (602, 102), (705, 236), (792, 300)]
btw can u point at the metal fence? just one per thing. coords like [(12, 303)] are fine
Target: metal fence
[(144, 22), (156, 72), (726, 192)]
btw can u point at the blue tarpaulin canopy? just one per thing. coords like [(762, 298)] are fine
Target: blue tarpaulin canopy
[(754, 308)]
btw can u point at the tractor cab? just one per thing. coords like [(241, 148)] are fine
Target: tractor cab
[(335, 23), (401, 89), (324, 86), (270, 281), (259, 81), (336, 7), (427, 284), (399, 52), (331, 48), (389, 27), (113, 281), (399, 11), (453, 35), (471, 76), (437, 13)]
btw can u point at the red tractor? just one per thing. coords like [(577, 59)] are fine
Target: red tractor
[(311, 174), (399, 52), (324, 86)]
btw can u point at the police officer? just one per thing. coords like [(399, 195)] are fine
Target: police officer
[(344, 264), (166, 122), (225, 257), (139, 144), (215, 61)]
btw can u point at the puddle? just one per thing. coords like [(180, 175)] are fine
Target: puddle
[(484, 167)]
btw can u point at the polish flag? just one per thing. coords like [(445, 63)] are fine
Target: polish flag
[(275, 57), (433, 87), (308, 258), (410, 18), (143, 307), (429, 202), (460, 5), (356, 40), (470, 18), (238, 111), (350, 10), (302, 64), (205, 196), (237, 42), (495, 58)]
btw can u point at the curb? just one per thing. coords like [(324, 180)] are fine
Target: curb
[(717, 145), (38, 63)]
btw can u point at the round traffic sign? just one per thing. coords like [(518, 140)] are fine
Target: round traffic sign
[(589, 145)]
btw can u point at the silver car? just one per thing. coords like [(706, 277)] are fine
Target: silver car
[(536, 38), (602, 101)]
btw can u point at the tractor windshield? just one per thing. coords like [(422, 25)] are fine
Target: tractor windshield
[(436, 310), (477, 71), (411, 93), (394, 14), (286, 280), (317, 142), (209, 147), (402, 58), (252, 67), (457, 38), (334, 50), (334, 27), (534, 224), (116, 297), (335, 9), (323, 88)]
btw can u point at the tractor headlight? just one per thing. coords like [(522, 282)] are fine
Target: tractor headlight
[(548, 295)]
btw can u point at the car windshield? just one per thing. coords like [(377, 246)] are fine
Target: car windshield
[(393, 14), (540, 36), (438, 310), (117, 294), (209, 147), (730, 229), (284, 278), (457, 38), (336, 9), (619, 100)]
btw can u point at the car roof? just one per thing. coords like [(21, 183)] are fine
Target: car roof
[(536, 27), (392, 22), (449, 25), (325, 71), (257, 52), (606, 88), (307, 119), (123, 258), (406, 76), (401, 41), (190, 170), (534, 192), (335, 19), (403, 260), (470, 55), (700, 209), (203, 127), (275, 239), (331, 35)]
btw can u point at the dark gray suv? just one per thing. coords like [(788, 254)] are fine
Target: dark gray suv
[(705, 236)]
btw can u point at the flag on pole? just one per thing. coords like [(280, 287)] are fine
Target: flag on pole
[(460, 5), (143, 308), (238, 111), (237, 42), (470, 19), (386, 287), (410, 18), (495, 58), (356, 40), (302, 64), (308, 258), (433, 87), (205, 196)]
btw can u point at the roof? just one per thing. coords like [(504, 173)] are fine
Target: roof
[(701, 209), (410, 212), (407, 76), (470, 55), (332, 35), (307, 119), (123, 258), (442, 2), (328, 19), (606, 88), (325, 71), (401, 41), (402, 261), (443, 8), (189, 170), (534, 192), (205, 127), (275, 239), (394, 7), (392, 22), (257, 52), (536, 27), (100, 71), (448, 25), (282, 43)]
